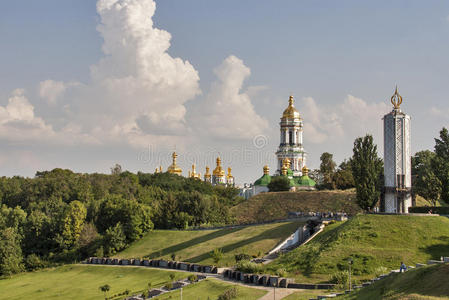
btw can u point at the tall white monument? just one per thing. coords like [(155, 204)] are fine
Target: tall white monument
[(397, 159)]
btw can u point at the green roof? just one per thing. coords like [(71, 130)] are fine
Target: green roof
[(305, 181), (263, 181)]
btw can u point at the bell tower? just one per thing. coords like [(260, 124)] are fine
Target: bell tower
[(290, 146), (397, 159)]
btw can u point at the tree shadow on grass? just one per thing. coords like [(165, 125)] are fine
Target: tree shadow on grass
[(271, 233), (192, 242), (438, 250)]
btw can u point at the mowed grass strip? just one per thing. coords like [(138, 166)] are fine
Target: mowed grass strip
[(424, 283), (210, 289), (276, 206), (82, 282), (374, 242), (196, 246)]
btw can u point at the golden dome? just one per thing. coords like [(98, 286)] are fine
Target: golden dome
[(173, 168), (290, 112), (266, 170), (229, 173), (207, 175), (193, 173), (305, 171), (218, 171)]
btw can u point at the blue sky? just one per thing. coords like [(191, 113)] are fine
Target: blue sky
[(340, 59)]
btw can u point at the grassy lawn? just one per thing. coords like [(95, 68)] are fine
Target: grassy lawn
[(196, 246), (376, 244), (275, 206), (211, 289), (424, 283), (306, 294), (81, 282)]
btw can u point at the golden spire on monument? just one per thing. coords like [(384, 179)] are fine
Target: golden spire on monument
[(396, 99), (291, 112)]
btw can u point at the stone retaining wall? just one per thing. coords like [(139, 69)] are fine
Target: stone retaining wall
[(157, 263), (271, 280)]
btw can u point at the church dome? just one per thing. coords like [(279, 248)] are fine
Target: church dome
[(291, 112), (218, 171)]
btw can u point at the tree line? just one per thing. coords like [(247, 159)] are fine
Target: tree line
[(364, 172), (62, 216)]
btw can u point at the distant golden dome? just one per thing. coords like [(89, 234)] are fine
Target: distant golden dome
[(266, 170), (218, 171), (173, 168), (291, 112)]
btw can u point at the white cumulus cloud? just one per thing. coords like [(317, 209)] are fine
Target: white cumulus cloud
[(344, 121), (228, 111)]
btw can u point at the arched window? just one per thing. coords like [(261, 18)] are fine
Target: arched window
[(290, 137)]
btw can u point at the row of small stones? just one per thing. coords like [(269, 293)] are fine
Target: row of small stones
[(365, 284), (153, 263)]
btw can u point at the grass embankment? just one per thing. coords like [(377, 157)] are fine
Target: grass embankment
[(424, 283), (211, 289), (82, 282), (275, 206), (196, 246), (376, 243)]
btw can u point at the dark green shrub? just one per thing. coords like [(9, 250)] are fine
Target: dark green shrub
[(192, 278), (34, 262), (228, 294), (242, 256), (441, 210)]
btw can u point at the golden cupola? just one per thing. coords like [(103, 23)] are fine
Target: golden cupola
[(229, 173), (305, 171), (266, 170), (207, 174), (291, 112), (193, 173), (218, 171), (173, 168)]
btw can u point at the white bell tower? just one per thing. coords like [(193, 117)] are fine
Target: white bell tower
[(291, 146)]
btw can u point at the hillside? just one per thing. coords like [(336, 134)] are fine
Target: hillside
[(423, 283), (196, 246), (374, 242), (83, 282), (275, 206)]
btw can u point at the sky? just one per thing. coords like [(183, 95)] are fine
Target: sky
[(88, 84)]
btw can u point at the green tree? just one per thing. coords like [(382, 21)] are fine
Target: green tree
[(172, 276), (105, 289), (10, 252), (367, 169), (343, 178), (73, 222), (134, 216), (425, 182), (279, 184), (441, 162), (217, 255), (114, 239), (327, 170)]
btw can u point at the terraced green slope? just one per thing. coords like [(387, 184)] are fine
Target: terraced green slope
[(372, 241), (196, 246), (275, 206), (424, 283)]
